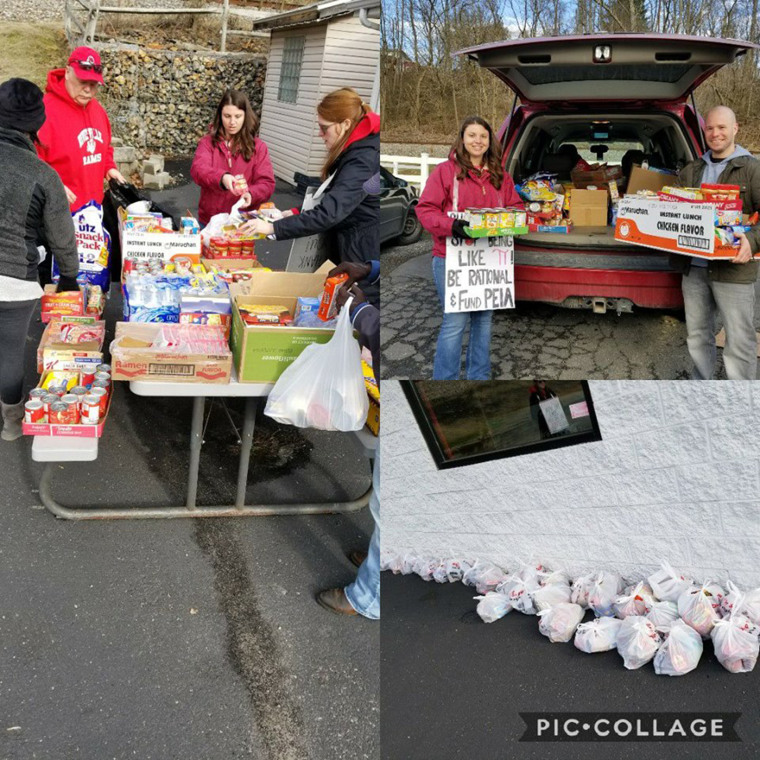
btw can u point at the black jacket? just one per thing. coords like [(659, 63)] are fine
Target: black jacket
[(350, 207), (33, 205)]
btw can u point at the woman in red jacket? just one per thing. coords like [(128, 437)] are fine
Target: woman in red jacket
[(472, 177), (231, 150)]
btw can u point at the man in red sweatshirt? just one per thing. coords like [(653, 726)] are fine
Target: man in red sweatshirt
[(76, 137)]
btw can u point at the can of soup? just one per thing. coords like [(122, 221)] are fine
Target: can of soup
[(34, 411)]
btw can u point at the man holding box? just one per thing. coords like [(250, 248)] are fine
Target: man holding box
[(725, 286)]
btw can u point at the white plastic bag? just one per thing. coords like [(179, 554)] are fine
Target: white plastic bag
[(558, 623), (555, 589), (581, 588), (324, 387), (493, 606), (637, 641), (635, 600), (484, 576), (736, 644), (600, 635), (662, 615), (667, 585), (523, 585), (680, 652), (747, 603), (603, 593), (699, 607)]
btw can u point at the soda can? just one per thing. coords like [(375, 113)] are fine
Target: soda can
[(49, 399), (102, 395), (90, 414), (34, 411), (58, 413), (37, 393)]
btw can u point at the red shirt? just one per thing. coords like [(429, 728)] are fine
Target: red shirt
[(76, 141)]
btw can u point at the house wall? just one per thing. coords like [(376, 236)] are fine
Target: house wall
[(338, 53), (676, 477)]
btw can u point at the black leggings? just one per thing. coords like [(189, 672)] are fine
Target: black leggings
[(15, 317)]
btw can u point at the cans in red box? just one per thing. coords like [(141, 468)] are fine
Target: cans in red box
[(78, 391), (59, 413), (102, 395), (103, 368), (48, 399), (34, 411), (90, 414), (37, 393)]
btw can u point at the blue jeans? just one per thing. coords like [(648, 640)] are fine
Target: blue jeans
[(448, 351), (364, 593), (736, 302)]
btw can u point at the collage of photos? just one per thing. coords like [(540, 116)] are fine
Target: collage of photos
[(309, 310)]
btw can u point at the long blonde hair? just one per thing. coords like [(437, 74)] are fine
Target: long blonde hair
[(335, 107)]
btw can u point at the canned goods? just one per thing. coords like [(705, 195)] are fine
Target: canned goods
[(103, 368), (235, 248), (104, 384), (87, 378), (103, 376), (34, 411), (90, 414), (102, 395), (37, 393), (72, 410), (49, 399), (58, 413), (70, 398), (79, 391)]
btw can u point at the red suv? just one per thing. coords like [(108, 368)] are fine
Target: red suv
[(623, 99)]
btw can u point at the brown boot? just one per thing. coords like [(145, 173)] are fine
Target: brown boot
[(12, 416), (334, 599)]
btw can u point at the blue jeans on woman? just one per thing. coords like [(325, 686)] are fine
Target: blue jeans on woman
[(364, 593), (448, 352)]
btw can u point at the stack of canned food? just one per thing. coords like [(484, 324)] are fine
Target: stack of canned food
[(55, 402)]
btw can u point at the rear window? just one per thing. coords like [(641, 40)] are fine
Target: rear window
[(644, 73)]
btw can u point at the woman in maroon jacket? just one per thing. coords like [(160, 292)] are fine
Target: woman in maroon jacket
[(231, 150), (472, 177)]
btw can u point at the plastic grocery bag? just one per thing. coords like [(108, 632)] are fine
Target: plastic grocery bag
[(603, 594), (667, 585), (493, 606), (581, 588), (636, 600), (637, 641), (522, 586), (680, 652), (485, 576), (555, 589), (600, 635), (558, 623), (662, 615), (736, 644), (324, 387), (699, 607), (748, 603)]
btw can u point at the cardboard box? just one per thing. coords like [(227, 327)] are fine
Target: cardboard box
[(648, 179), (685, 228), (597, 175), (67, 303), (263, 352), (133, 358), (157, 246), (68, 431), (588, 208), (55, 354)]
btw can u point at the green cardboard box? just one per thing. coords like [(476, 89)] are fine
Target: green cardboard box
[(261, 353)]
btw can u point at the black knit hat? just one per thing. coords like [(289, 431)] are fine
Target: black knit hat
[(21, 105)]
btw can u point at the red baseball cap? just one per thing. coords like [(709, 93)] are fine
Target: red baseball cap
[(86, 64)]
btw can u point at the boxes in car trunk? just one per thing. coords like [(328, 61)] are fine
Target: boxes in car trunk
[(588, 208), (648, 179), (598, 175)]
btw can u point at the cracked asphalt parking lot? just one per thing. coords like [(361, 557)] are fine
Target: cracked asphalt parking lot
[(532, 340)]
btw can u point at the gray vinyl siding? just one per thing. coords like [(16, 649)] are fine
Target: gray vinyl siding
[(338, 53)]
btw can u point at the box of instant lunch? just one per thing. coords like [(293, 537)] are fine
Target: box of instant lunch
[(170, 353), (263, 351)]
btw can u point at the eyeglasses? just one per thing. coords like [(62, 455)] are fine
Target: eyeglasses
[(87, 66), (324, 127)]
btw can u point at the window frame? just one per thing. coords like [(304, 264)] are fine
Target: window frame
[(290, 76)]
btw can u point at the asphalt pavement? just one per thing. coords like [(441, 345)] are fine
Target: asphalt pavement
[(164, 639), (453, 686), (533, 340)]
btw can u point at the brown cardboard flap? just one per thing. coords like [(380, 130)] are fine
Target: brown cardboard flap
[(646, 179)]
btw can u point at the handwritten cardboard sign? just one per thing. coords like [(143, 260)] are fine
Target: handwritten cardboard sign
[(480, 274)]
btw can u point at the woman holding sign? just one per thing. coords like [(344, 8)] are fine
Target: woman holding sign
[(472, 177)]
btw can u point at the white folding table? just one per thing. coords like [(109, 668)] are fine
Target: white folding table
[(53, 450)]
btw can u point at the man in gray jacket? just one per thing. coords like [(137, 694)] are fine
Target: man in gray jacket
[(725, 286)]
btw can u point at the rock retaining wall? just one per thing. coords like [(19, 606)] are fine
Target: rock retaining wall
[(162, 100)]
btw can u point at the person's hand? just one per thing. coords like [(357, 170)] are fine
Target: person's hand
[(288, 212), (247, 198), (257, 227), (344, 293), (745, 252), (457, 230), (354, 271), (67, 283), (117, 175), (69, 196)]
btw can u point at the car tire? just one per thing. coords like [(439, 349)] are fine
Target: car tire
[(412, 229)]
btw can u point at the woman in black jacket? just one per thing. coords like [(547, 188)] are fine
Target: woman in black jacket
[(32, 203), (349, 207)]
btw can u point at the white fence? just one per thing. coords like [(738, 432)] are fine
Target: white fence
[(415, 170)]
